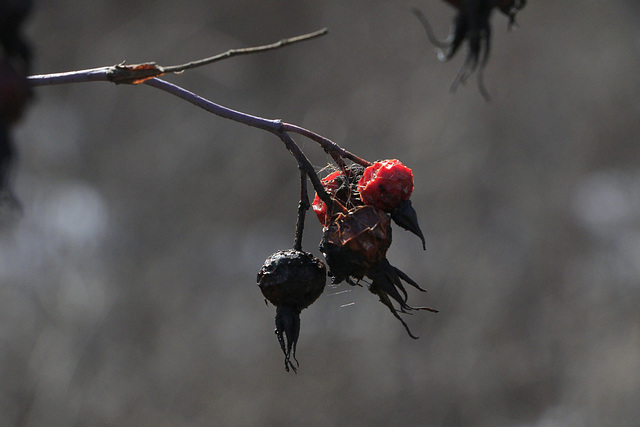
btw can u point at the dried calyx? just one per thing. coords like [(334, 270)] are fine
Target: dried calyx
[(471, 23)]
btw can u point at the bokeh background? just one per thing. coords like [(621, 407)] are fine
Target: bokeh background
[(127, 285)]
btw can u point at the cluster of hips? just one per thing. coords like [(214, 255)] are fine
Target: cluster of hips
[(355, 204), (356, 236)]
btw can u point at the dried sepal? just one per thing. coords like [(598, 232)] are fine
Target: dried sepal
[(472, 24), (387, 283)]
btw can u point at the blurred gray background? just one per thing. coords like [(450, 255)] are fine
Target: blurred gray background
[(127, 286)]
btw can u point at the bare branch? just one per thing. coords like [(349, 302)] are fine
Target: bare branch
[(147, 73), (305, 166), (79, 76), (212, 107), (139, 73)]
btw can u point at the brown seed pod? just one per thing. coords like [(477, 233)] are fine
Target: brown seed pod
[(353, 243)]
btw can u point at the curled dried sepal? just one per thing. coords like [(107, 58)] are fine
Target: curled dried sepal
[(405, 216), (511, 8), (387, 282), (287, 332)]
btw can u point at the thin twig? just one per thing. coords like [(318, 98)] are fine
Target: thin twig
[(244, 51), (147, 73), (328, 145), (139, 73), (305, 165)]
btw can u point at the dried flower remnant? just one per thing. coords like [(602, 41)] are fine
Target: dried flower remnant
[(471, 23)]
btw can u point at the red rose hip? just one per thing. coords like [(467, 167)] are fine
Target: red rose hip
[(385, 184)]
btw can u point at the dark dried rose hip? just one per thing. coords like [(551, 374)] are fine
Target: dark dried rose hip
[(355, 245), (354, 242), (291, 280)]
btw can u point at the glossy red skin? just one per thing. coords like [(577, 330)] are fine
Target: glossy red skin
[(385, 184), (330, 184)]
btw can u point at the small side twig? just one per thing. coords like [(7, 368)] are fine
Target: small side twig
[(305, 165), (244, 51)]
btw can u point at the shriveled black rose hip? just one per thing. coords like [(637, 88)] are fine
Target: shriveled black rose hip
[(291, 280)]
